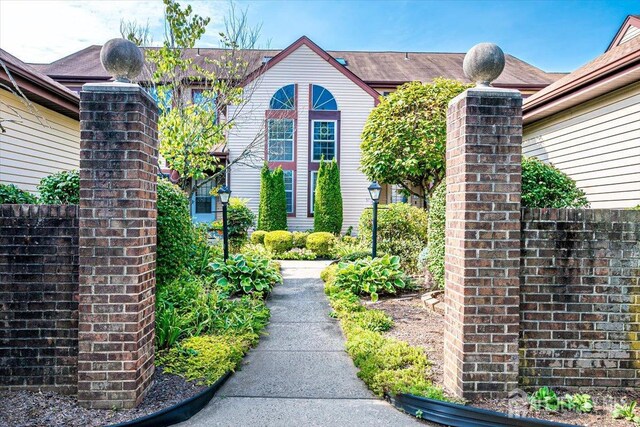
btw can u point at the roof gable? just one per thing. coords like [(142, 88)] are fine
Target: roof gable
[(629, 30), (304, 40)]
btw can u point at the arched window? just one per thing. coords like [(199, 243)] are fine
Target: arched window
[(284, 98), (322, 99)]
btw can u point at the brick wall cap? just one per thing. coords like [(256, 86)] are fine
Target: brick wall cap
[(487, 92), (114, 87)]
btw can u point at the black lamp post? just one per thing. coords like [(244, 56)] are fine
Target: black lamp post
[(224, 193), (374, 192)]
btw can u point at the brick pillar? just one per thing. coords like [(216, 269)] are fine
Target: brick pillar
[(117, 244), (484, 135)]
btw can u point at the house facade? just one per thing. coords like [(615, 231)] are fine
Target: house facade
[(305, 104), (587, 124), (39, 135)]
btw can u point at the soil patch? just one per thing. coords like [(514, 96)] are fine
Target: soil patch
[(418, 326), (31, 409), (600, 417)]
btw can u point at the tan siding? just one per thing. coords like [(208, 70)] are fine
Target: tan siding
[(304, 67), (597, 144), (29, 150)]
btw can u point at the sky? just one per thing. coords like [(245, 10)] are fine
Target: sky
[(553, 35)]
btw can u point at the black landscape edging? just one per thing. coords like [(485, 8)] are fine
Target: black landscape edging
[(179, 412), (454, 415)]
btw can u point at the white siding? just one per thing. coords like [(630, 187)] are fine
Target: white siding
[(304, 67), (632, 33), (597, 144), (30, 151)]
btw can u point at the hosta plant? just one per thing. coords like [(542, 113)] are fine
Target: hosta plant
[(245, 273), (371, 277), (581, 403), (626, 412), (544, 398)]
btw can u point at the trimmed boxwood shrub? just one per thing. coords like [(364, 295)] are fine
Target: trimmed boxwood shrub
[(278, 241), (257, 237), (62, 188), (327, 207), (12, 195), (176, 234), (321, 243), (300, 239), (402, 231), (272, 213)]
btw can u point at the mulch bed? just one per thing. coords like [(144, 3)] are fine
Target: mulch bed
[(425, 328), (24, 408)]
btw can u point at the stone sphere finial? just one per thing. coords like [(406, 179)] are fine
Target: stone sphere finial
[(483, 63), (122, 59)]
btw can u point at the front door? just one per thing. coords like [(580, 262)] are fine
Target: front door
[(203, 205)]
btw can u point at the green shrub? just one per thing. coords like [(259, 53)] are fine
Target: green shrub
[(349, 247), (297, 254), (329, 274), (372, 320), (62, 188), (176, 234), (12, 195), (300, 239), (278, 241), (321, 243), (239, 219), (177, 303), (257, 237), (371, 277), (386, 365), (272, 213), (354, 256), (545, 186), (327, 206), (245, 273), (206, 358), (256, 249), (436, 236), (402, 231)]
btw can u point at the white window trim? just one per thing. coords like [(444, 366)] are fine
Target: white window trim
[(335, 139), (293, 190), (293, 141)]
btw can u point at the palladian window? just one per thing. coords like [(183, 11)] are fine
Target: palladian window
[(322, 99), (284, 98)]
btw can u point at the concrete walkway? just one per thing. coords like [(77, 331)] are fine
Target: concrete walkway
[(299, 375)]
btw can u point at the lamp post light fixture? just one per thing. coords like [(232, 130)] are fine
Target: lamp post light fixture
[(374, 192), (224, 193)]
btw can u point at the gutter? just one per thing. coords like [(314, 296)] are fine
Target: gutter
[(599, 74)]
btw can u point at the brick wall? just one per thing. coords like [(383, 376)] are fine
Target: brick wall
[(118, 167), (482, 249), (38, 297), (580, 298)]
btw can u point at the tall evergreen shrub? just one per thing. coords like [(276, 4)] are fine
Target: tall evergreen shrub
[(327, 207), (272, 213)]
